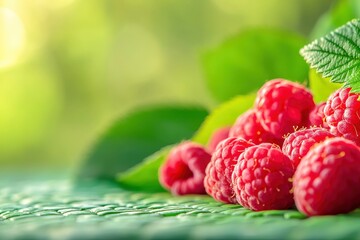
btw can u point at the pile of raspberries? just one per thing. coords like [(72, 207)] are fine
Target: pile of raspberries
[(283, 153)]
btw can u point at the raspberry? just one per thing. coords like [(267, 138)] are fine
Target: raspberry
[(328, 178), (218, 173), (262, 178), (283, 106), (297, 144), (183, 171), (317, 116), (342, 114), (247, 126), (217, 136)]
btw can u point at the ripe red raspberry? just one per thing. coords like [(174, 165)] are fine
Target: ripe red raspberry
[(262, 178), (317, 116), (283, 106), (298, 143), (218, 173), (183, 171), (328, 178), (217, 136), (247, 126), (342, 114)]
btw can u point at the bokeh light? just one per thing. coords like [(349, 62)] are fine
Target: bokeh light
[(12, 37), (138, 54)]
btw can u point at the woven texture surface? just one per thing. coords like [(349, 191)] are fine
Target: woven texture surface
[(98, 210)]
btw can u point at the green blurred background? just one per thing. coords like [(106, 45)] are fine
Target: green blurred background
[(69, 68)]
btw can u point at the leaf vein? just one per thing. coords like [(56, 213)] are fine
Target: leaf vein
[(336, 45), (348, 40), (321, 50), (348, 71)]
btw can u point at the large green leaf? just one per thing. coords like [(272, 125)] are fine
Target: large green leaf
[(136, 136), (224, 115), (144, 177), (243, 63), (337, 55)]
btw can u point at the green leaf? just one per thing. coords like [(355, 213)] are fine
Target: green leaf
[(321, 87), (144, 177), (337, 55), (243, 63), (224, 115), (136, 136)]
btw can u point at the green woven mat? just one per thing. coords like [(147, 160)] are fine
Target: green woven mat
[(97, 210)]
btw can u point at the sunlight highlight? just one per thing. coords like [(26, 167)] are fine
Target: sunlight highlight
[(12, 37)]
